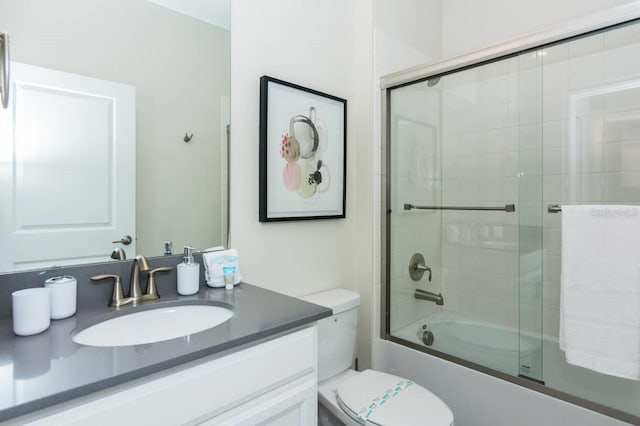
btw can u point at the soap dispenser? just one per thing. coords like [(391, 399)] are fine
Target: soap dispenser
[(188, 274)]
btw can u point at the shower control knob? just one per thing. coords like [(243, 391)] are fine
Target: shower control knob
[(417, 267)]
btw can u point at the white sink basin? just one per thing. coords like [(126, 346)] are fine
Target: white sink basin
[(154, 325)]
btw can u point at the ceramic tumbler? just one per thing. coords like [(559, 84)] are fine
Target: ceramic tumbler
[(63, 296), (31, 310)]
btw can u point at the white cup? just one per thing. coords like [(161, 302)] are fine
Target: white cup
[(31, 310), (63, 296)]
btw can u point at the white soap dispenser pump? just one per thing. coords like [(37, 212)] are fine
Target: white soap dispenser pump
[(188, 274)]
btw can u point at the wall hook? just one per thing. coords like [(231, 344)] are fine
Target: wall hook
[(188, 137)]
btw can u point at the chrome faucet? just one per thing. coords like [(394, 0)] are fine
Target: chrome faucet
[(427, 295)]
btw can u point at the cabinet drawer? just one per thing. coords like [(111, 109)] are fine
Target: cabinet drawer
[(293, 404)]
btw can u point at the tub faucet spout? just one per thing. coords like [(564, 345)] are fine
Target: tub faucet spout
[(427, 295)]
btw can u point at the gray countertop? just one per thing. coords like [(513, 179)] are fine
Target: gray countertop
[(49, 368)]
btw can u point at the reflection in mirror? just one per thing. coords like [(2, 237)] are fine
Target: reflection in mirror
[(63, 180)]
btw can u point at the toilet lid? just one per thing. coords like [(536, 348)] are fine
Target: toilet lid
[(375, 398)]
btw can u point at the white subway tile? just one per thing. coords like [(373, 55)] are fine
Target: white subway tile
[(555, 106), (624, 126), (531, 162), (495, 90), (622, 156), (555, 77), (495, 116), (470, 143), (623, 100), (495, 139), (554, 133), (530, 83), (551, 268), (552, 241), (621, 187), (530, 136), (551, 321), (553, 161), (622, 63), (586, 71), (551, 293)]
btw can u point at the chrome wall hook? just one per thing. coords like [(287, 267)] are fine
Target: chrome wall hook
[(187, 137)]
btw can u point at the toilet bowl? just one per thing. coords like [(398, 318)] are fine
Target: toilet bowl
[(369, 397)]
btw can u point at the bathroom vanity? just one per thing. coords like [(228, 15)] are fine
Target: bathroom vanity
[(258, 366)]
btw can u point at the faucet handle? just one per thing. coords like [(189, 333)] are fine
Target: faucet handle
[(117, 296), (152, 291), (417, 267)]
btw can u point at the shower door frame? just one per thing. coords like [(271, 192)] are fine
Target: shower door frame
[(578, 28)]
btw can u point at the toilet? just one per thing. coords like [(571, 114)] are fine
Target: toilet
[(370, 397)]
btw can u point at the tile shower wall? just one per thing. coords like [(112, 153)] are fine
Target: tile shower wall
[(489, 119), (561, 125), (591, 129), (558, 125)]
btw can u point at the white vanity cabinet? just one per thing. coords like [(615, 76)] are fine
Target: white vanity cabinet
[(269, 383)]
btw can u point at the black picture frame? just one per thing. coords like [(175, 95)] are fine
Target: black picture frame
[(303, 156)]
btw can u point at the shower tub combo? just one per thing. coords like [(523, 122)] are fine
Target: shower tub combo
[(481, 151)]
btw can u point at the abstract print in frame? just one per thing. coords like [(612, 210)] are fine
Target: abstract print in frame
[(302, 152)]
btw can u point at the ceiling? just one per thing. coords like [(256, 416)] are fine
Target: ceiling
[(215, 12)]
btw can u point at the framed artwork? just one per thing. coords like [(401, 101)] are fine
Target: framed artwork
[(302, 152)]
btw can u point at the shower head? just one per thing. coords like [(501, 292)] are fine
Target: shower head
[(433, 81)]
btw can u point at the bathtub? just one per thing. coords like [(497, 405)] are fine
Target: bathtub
[(490, 345), (498, 348)]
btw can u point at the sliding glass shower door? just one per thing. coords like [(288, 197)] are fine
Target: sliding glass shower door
[(465, 187)]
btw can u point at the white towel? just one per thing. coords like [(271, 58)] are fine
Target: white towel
[(213, 263), (600, 289)]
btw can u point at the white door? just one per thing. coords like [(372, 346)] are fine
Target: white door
[(67, 169)]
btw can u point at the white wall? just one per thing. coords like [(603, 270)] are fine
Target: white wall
[(180, 81), (325, 46), (406, 33), (470, 24)]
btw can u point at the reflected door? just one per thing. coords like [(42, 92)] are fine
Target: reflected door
[(67, 169)]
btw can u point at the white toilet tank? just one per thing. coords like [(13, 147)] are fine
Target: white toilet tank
[(337, 333)]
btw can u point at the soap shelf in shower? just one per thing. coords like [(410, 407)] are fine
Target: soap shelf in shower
[(509, 208)]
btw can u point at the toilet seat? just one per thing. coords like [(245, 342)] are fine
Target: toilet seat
[(376, 398)]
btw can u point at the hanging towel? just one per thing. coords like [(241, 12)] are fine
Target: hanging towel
[(600, 288), (213, 263)]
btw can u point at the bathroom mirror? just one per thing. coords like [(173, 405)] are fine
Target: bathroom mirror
[(176, 57)]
